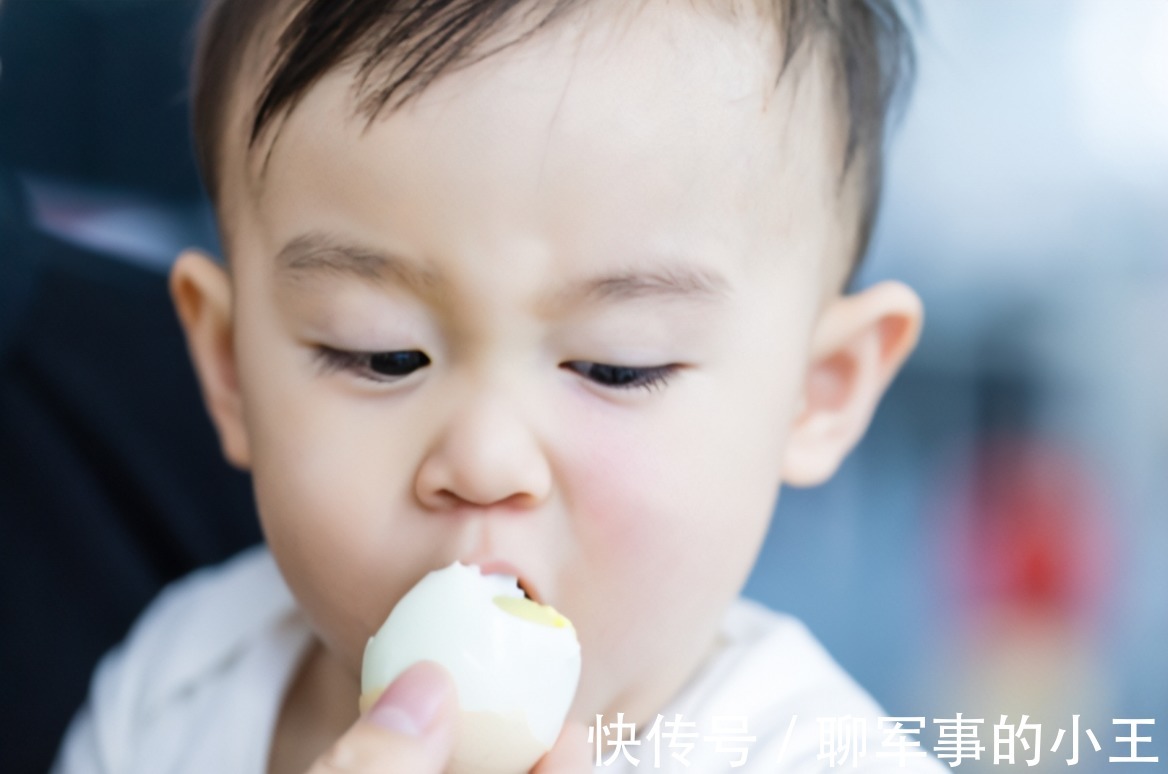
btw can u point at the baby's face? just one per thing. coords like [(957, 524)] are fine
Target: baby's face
[(554, 313)]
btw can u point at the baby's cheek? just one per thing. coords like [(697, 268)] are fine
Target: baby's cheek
[(639, 485), (622, 502), (638, 530), (324, 492), (639, 510), (674, 504)]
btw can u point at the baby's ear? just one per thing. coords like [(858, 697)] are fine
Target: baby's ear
[(201, 290), (859, 343)]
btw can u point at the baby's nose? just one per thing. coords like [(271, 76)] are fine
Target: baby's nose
[(487, 454)]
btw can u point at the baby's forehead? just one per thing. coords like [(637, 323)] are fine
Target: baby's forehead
[(636, 84), (402, 47), (396, 56), (708, 62), (257, 60), (392, 61)]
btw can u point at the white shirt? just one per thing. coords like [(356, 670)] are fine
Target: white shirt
[(198, 684)]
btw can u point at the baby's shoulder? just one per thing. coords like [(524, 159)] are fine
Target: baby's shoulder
[(774, 685), (209, 644), (204, 620), (770, 661)]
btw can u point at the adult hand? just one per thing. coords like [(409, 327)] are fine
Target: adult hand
[(571, 753), (411, 729)]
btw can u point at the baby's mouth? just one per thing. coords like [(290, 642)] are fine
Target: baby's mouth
[(523, 588), (493, 567)]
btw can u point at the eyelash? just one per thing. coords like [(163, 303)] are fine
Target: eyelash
[(362, 363), (624, 377), (613, 376)]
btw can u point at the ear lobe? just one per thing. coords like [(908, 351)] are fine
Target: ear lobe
[(859, 344), (202, 295)]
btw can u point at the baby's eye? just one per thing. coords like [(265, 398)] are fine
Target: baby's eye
[(377, 366), (623, 377)]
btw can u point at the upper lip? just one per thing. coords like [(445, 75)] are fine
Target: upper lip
[(502, 567)]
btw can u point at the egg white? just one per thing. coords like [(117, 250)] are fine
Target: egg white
[(515, 677)]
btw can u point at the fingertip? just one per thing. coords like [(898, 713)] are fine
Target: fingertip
[(571, 754), (420, 701)]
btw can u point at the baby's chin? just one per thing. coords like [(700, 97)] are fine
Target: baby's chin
[(600, 694), (343, 665), (650, 684)]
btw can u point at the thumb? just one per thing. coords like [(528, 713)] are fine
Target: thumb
[(409, 729), (571, 754)]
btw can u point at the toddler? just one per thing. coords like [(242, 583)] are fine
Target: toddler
[(551, 286)]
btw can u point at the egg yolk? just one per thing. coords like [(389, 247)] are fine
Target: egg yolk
[(522, 607)]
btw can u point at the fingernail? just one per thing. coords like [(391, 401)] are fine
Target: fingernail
[(412, 701)]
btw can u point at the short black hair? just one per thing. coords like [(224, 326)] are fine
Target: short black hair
[(407, 44)]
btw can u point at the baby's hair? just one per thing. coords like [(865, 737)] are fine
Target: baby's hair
[(401, 46)]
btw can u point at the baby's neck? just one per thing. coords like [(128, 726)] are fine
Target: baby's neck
[(320, 705)]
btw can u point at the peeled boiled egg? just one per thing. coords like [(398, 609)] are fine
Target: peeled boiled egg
[(515, 662)]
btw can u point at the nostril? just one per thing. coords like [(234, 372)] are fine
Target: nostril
[(520, 502)]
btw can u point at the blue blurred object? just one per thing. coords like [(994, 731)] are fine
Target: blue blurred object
[(94, 91)]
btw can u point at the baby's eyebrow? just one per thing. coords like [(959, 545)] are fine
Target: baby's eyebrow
[(321, 253), (679, 281)]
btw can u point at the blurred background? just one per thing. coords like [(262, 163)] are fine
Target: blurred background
[(998, 545)]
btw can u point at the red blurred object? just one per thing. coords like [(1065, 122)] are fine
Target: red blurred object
[(1030, 535)]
